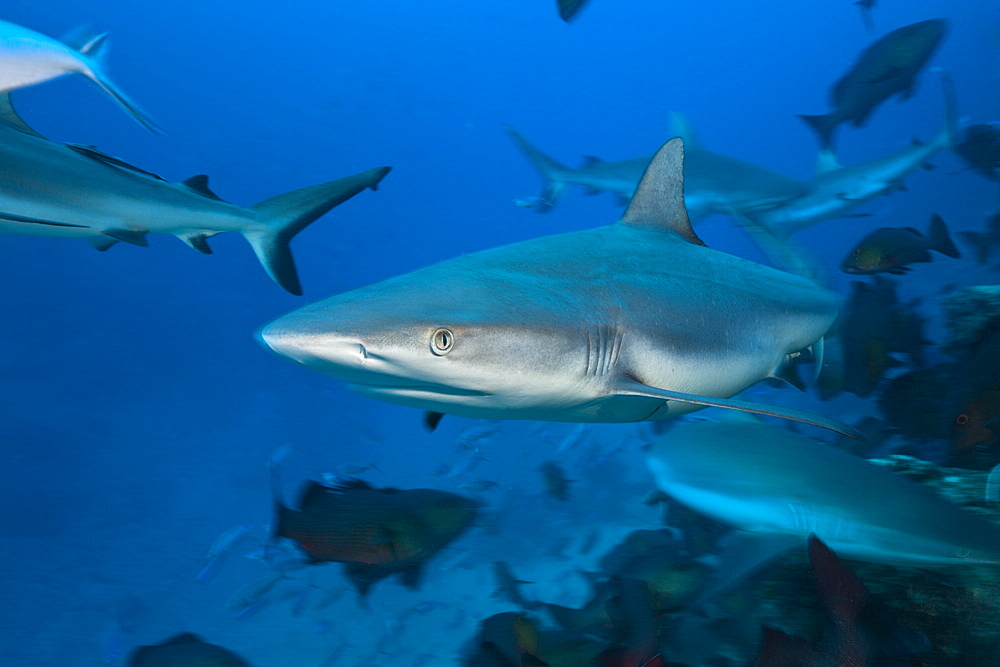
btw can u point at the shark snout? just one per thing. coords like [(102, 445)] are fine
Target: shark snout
[(311, 347)]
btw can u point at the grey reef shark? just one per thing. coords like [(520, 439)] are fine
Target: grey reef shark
[(73, 191), (628, 322)]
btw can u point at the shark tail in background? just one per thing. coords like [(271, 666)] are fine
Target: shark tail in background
[(286, 215), (92, 46), (554, 175), (938, 234), (823, 126)]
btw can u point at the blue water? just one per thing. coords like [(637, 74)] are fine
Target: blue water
[(138, 410)]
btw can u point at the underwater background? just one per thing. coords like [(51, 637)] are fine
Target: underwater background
[(138, 408)]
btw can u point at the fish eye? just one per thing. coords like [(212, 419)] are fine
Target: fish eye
[(962, 419), (442, 340)]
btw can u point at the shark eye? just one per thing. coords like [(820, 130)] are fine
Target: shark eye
[(442, 340)]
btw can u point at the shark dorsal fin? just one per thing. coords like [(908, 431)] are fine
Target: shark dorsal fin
[(199, 184), (658, 201), (9, 116), (826, 161)]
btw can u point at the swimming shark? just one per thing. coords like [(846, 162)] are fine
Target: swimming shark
[(28, 57), (837, 190), (73, 191), (713, 183), (770, 482), (634, 321)]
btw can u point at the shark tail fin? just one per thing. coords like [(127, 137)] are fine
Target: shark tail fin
[(286, 215), (554, 175), (823, 126), (93, 51), (938, 234)]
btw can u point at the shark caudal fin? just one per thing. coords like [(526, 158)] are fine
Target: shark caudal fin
[(93, 50), (940, 239), (286, 215), (554, 175), (823, 126)]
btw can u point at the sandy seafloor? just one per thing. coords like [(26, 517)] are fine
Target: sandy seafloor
[(138, 411)]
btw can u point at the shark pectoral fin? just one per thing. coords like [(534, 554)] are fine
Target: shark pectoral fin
[(789, 374), (101, 243), (10, 117), (128, 236), (432, 419), (658, 202), (13, 217), (742, 555), (630, 387)]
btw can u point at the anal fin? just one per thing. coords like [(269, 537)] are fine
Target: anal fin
[(128, 236)]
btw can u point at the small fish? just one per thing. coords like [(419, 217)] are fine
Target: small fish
[(353, 468), (509, 639), (471, 439), (532, 202), (185, 650), (253, 593), (893, 249), (971, 410), (555, 480), (222, 548), (467, 466)]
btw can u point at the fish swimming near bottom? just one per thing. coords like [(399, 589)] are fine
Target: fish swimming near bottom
[(893, 249), (375, 532), (633, 321), (185, 650), (72, 191), (772, 483)]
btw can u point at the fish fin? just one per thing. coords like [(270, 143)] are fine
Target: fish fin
[(83, 38), (10, 117), (940, 240), (93, 55), (658, 201), (826, 161), (411, 576), (199, 184), (568, 9), (128, 236), (655, 498), (554, 175), (632, 387), (101, 243), (197, 240), (313, 493), (742, 555), (13, 217), (288, 214), (590, 161), (788, 372), (100, 156), (823, 126), (841, 591), (432, 419)]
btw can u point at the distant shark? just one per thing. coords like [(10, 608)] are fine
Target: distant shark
[(837, 190), (28, 58), (629, 322), (772, 483), (713, 183), (72, 191)]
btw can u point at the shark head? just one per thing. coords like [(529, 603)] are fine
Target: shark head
[(416, 340)]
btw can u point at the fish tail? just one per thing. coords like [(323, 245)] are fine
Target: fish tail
[(823, 126), (286, 215), (940, 239), (92, 54), (553, 174), (981, 242)]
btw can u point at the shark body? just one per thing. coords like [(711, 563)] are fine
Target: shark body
[(769, 481), (28, 58), (72, 191), (629, 322), (713, 183)]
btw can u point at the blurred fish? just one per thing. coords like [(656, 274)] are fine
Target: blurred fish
[(867, 335), (472, 439), (28, 57), (866, 13), (509, 586), (653, 557), (222, 548), (509, 639), (778, 487), (837, 190), (893, 249), (636, 638), (715, 330), (713, 183), (568, 9), (185, 650), (73, 191), (555, 480), (981, 149), (971, 416), (352, 468), (888, 66), (478, 486), (375, 532), (913, 403), (983, 242), (471, 463)]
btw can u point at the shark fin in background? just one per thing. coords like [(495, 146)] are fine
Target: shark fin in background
[(553, 174), (199, 184), (680, 126), (658, 201), (286, 215), (10, 117), (632, 387)]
